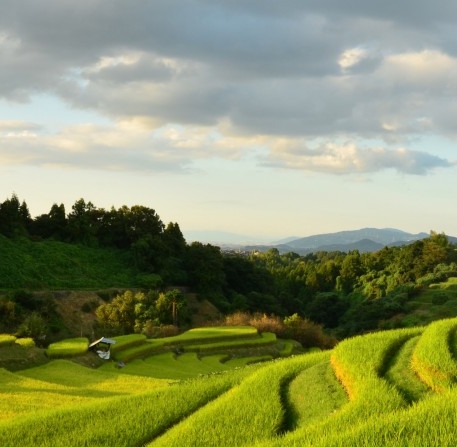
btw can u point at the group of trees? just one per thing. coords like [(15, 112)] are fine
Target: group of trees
[(346, 292), (142, 312)]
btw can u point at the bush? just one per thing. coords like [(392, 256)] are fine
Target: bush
[(309, 334), (237, 319), (265, 323)]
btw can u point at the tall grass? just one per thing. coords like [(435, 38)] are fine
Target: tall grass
[(432, 358), (402, 375), (119, 421), (250, 412), (359, 363)]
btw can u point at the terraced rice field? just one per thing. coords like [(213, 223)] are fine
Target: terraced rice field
[(392, 388)]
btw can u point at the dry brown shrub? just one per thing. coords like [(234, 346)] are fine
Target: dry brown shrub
[(238, 319), (268, 323), (152, 331), (308, 333)]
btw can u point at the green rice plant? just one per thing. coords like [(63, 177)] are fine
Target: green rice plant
[(239, 362), (432, 358), (193, 336), (7, 339), (68, 348), (188, 365), (25, 342), (169, 366), (402, 375), (119, 421), (82, 379), (431, 422), (362, 360), (266, 338), (314, 395), (288, 348), (252, 411), (21, 395), (359, 363), (127, 341)]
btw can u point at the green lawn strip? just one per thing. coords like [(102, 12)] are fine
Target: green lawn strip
[(70, 374), (118, 421), (194, 336), (266, 338), (287, 348), (314, 394), (15, 357), (401, 374), (238, 362), (68, 348), (250, 412), (124, 342), (20, 395), (432, 357), (169, 366)]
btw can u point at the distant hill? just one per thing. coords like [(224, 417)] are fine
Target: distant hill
[(364, 240)]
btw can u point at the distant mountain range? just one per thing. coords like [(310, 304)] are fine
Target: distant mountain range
[(364, 240)]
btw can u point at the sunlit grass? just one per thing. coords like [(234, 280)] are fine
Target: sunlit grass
[(6, 339), (432, 358), (402, 375), (68, 348), (119, 421), (250, 412)]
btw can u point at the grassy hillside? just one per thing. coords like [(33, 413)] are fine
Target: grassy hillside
[(388, 388), (56, 265)]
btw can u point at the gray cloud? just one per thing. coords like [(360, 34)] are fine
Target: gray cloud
[(297, 69)]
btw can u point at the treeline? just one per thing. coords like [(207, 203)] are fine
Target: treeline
[(348, 293)]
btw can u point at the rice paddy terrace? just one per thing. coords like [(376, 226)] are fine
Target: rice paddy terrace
[(392, 388)]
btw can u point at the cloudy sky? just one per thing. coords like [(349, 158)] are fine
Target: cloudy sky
[(264, 118)]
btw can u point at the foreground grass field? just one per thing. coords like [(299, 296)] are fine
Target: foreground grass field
[(392, 388)]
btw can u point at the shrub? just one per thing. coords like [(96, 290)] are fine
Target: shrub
[(309, 334), (265, 323), (237, 319)]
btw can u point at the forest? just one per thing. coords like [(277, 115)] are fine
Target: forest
[(347, 293)]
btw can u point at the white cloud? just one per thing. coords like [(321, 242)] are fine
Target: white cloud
[(348, 159)]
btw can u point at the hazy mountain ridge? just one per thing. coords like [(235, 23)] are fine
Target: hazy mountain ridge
[(364, 240)]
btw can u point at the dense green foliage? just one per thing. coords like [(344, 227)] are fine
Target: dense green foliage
[(130, 247)]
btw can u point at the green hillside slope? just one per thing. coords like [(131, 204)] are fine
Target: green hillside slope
[(57, 265)]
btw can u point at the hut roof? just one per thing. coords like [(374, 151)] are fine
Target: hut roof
[(109, 341)]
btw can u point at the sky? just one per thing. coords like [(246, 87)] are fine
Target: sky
[(261, 118)]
